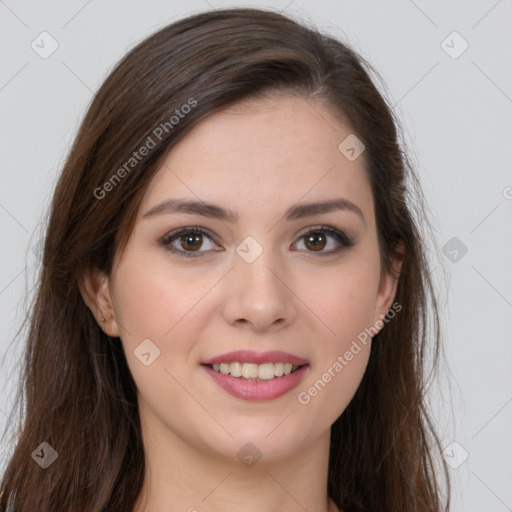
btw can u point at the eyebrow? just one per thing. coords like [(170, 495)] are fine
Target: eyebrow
[(215, 211)]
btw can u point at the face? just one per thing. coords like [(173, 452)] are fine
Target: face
[(263, 270)]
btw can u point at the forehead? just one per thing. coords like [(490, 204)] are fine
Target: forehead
[(268, 153)]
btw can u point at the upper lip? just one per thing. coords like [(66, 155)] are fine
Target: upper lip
[(248, 356)]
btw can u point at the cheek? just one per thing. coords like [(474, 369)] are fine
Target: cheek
[(153, 302), (329, 390), (342, 298), (342, 356), (168, 308)]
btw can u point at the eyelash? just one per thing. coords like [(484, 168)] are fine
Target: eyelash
[(343, 240)]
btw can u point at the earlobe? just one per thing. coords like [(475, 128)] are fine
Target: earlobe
[(95, 291)]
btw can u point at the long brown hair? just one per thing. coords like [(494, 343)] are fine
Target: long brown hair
[(78, 393)]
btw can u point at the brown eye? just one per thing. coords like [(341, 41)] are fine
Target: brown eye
[(323, 241), (191, 241), (316, 241)]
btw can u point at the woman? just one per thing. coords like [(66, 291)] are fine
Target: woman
[(234, 302)]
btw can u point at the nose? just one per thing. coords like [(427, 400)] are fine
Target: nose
[(259, 295)]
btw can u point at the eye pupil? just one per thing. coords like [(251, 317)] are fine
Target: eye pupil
[(317, 240), (191, 241)]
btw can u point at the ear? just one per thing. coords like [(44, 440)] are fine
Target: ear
[(387, 287), (95, 291)]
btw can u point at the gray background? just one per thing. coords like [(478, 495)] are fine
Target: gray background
[(456, 119)]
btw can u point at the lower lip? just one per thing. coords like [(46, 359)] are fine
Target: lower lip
[(258, 391)]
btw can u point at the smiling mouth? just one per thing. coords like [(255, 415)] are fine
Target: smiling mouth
[(255, 372)]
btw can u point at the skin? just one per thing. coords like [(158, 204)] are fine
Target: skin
[(257, 158)]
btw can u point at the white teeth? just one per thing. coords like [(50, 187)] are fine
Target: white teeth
[(249, 371), (265, 371), (235, 369)]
